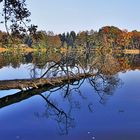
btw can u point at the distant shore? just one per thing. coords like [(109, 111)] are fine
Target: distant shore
[(2, 49), (15, 49), (133, 51), (126, 51)]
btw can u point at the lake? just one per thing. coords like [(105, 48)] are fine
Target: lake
[(102, 107)]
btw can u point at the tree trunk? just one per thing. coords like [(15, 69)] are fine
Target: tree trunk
[(42, 87), (37, 83)]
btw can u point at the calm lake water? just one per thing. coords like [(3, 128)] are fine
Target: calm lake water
[(104, 107)]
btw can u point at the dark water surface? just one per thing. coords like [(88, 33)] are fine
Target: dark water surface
[(107, 110)]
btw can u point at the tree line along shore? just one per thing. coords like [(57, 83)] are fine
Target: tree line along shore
[(108, 37)]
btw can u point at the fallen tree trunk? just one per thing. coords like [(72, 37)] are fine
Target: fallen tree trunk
[(23, 95), (39, 82)]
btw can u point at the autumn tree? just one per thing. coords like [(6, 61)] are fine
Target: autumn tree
[(81, 39), (135, 42), (3, 39), (124, 39), (53, 41), (109, 35), (39, 39)]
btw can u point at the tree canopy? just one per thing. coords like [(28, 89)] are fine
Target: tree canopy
[(16, 16)]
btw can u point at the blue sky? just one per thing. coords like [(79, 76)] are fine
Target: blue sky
[(66, 15)]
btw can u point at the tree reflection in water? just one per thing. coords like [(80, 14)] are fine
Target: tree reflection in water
[(103, 85), (104, 81), (63, 114)]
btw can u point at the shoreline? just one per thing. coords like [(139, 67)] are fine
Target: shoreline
[(3, 49), (16, 49), (134, 51), (126, 51)]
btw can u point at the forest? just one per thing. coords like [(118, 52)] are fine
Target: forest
[(108, 37)]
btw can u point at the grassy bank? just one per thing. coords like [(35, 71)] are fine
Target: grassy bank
[(66, 50), (20, 50), (3, 49), (133, 51)]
